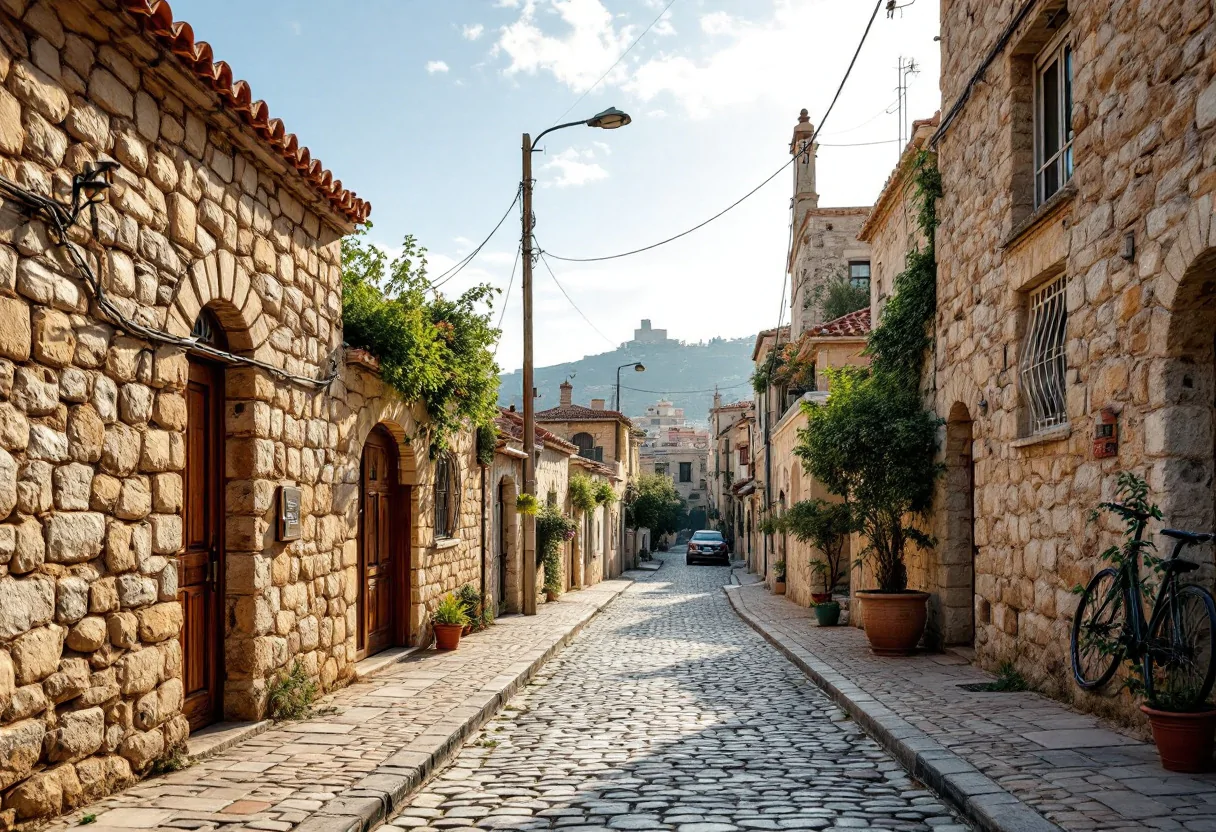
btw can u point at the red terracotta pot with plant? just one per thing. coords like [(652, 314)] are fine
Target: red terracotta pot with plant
[(1185, 739), (873, 444), (449, 620)]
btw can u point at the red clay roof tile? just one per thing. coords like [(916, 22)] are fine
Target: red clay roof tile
[(156, 20), (854, 324)]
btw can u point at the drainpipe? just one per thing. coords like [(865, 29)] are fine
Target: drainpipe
[(768, 464)]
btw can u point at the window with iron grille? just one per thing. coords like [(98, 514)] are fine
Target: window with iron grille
[(1053, 135), (445, 496), (1043, 362), (685, 472)]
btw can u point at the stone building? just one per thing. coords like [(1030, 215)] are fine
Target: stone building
[(728, 467), (198, 487), (678, 451), (1075, 289), (824, 240), (609, 438)]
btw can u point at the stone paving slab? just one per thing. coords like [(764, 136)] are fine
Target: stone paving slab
[(1009, 761), (372, 743)]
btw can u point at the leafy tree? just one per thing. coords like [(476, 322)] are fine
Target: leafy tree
[(432, 349), (873, 444), (658, 506), (826, 526), (838, 295)]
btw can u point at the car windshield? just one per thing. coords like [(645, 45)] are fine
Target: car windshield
[(707, 536)]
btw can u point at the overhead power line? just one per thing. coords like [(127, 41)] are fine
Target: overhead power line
[(467, 259), (685, 392), (620, 58), (506, 298), (571, 300), (749, 194)]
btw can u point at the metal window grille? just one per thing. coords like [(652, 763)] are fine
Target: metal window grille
[(1053, 119), (1043, 361), (443, 496)]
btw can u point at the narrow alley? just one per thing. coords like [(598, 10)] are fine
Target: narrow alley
[(668, 712)]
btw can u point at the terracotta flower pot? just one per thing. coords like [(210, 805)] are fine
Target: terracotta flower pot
[(820, 597), (778, 587), (827, 613), (1184, 740), (894, 621), (447, 636)]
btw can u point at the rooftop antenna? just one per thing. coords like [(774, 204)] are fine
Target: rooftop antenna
[(907, 67), (893, 7)]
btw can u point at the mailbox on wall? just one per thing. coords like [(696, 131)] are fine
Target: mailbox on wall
[(289, 512), (1106, 434)]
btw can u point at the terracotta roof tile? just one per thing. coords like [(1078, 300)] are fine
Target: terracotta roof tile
[(511, 424), (156, 20), (578, 413), (852, 325)]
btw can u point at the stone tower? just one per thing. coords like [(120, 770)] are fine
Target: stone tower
[(805, 198)]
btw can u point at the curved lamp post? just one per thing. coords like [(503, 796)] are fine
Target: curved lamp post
[(609, 119), (638, 366)]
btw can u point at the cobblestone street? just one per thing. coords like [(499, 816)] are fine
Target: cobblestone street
[(668, 712)]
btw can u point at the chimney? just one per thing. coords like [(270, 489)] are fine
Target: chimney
[(567, 395), (597, 404)]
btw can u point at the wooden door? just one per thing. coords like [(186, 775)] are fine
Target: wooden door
[(502, 517), (201, 564), (383, 574)]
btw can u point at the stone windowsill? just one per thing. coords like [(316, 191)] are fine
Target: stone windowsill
[(1054, 434), (1042, 214), (447, 543)]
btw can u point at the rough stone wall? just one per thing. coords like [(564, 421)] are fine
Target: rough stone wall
[(1139, 330), (604, 431), (92, 422), (826, 242), (507, 473), (892, 232)]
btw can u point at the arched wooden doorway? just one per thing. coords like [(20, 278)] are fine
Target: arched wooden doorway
[(957, 568), (384, 529), (200, 567)]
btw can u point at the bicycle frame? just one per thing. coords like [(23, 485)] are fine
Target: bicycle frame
[(1136, 628)]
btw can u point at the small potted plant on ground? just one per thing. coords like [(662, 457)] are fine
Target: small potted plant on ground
[(449, 620), (552, 530), (825, 526), (779, 578), (873, 444), (471, 600)]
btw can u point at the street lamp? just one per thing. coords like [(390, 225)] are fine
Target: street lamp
[(638, 367), (609, 119)]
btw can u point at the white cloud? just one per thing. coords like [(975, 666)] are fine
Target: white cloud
[(436, 66), (574, 168), (463, 244), (663, 28), (718, 23), (296, 27), (579, 55), (472, 31)]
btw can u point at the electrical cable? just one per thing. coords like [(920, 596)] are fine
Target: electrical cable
[(859, 144), (628, 49), (61, 222), (885, 111), (459, 266), (684, 392), (809, 145), (572, 303), (505, 299)]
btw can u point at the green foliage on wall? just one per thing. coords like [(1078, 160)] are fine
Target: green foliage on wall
[(582, 492), (432, 349), (838, 295), (658, 506), (552, 530)]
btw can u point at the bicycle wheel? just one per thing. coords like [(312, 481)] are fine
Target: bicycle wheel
[(1096, 629), (1180, 662)]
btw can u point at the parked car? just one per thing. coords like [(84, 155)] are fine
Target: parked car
[(707, 545)]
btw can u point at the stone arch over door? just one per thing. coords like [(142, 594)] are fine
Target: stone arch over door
[(1180, 430), (953, 605)]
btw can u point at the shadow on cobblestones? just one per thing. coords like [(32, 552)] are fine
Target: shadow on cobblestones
[(669, 713)]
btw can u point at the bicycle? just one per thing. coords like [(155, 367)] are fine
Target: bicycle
[(1176, 645)]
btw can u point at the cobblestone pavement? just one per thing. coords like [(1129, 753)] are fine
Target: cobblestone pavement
[(669, 713), (281, 778), (1073, 768)]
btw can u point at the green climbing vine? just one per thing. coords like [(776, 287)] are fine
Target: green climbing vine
[(432, 349)]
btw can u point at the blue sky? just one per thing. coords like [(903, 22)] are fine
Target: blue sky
[(418, 106)]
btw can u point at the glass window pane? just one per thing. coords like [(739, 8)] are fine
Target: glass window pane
[(1049, 111)]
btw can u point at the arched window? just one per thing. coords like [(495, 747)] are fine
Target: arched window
[(207, 330), (586, 445), (447, 495)]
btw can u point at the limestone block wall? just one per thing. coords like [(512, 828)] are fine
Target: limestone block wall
[(826, 242), (1132, 238)]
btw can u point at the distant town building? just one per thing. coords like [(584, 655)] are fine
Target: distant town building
[(648, 336), (676, 450)]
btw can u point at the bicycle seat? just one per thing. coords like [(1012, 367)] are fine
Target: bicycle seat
[(1178, 565), (1189, 537)]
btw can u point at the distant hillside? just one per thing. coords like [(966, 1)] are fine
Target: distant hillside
[(672, 370)]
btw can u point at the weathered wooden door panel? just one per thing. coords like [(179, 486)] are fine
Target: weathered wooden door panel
[(382, 594), (200, 565)]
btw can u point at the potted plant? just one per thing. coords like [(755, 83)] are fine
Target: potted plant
[(826, 526), (873, 444), (471, 600), (552, 530), (449, 620), (1185, 733), (527, 504), (779, 578)]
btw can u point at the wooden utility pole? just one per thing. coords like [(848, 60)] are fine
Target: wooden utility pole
[(529, 520)]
